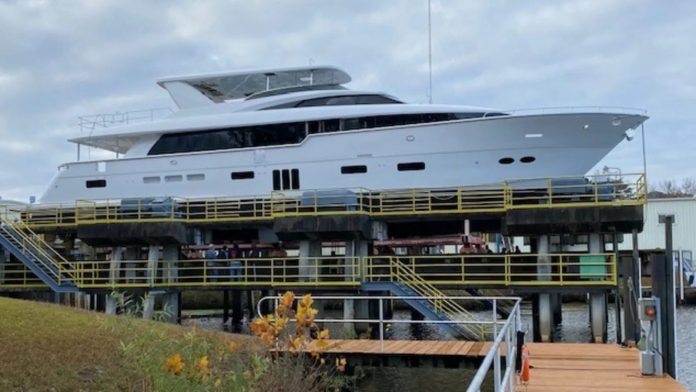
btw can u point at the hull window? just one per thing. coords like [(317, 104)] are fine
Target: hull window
[(286, 179), (527, 159), (151, 180), (276, 180), (95, 183), (506, 161), (177, 178), (411, 166), (353, 169), (195, 177), (295, 178), (245, 175)]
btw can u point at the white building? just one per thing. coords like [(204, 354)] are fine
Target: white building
[(683, 229)]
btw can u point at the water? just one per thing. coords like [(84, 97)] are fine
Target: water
[(575, 327), (686, 346)]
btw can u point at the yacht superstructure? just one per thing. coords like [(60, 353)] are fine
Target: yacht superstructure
[(254, 132)]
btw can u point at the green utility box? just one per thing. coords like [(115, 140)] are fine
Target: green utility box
[(593, 267)]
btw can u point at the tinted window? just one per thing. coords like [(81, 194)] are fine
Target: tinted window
[(276, 180), (230, 138), (289, 133), (353, 169), (95, 183), (347, 100), (410, 166), (245, 175), (295, 175)]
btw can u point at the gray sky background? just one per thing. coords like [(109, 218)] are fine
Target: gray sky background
[(62, 59)]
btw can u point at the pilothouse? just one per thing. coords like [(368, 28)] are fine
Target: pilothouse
[(245, 133)]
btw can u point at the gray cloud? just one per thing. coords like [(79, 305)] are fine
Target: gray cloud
[(70, 58)]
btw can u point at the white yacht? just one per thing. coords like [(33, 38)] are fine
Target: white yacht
[(253, 132)]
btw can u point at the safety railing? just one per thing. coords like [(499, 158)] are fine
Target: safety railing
[(32, 245), (402, 273), (17, 276), (480, 270), (287, 271), (581, 191), (503, 350), (423, 274), (65, 268), (504, 342), (105, 120)]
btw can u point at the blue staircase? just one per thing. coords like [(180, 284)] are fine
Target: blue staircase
[(406, 283), (38, 256)]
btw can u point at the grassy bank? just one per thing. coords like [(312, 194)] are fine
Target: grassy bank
[(46, 347)]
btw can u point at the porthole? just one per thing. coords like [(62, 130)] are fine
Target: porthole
[(95, 183), (410, 166), (506, 161), (527, 159)]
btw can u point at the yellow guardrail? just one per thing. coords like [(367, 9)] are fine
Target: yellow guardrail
[(481, 270), (421, 273), (406, 275), (17, 276), (33, 245), (579, 191), (312, 271)]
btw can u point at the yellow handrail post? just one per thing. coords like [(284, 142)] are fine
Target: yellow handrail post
[(316, 270), (560, 268), (413, 197), (460, 207), (596, 191), (507, 263)]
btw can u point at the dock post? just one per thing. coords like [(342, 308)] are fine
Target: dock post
[(170, 276), (663, 287), (153, 255), (598, 300), (114, 276), (348, 314), (557, 307), (237, 310), (310, 252), (225, 306), (544, 314), (132, 253)]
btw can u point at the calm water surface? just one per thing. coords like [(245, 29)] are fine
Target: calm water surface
[(575, 327)]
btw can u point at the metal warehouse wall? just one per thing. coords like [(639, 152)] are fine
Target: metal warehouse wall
[(653, 235)]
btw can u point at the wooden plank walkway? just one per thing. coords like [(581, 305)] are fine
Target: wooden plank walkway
[(409, 347), (557, 367), (568, 367)]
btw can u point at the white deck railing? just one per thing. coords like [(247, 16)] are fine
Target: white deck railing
[(502, 332)]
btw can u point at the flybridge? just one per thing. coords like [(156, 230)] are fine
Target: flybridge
[(206, 89)]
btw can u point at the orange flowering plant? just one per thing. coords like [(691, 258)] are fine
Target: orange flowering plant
[(273, 328)]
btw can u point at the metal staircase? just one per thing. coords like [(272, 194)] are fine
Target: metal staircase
[(405, 282), (37, 255)]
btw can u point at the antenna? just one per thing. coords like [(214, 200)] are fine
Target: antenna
[(430, 56)]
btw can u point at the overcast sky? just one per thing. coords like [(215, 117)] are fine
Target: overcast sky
[(63, 59)]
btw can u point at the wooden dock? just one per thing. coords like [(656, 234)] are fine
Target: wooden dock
[(568, 367), (557, 367)]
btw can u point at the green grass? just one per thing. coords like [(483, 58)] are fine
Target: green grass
[(46, 347)]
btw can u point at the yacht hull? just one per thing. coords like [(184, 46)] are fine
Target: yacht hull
[(458, 153)]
